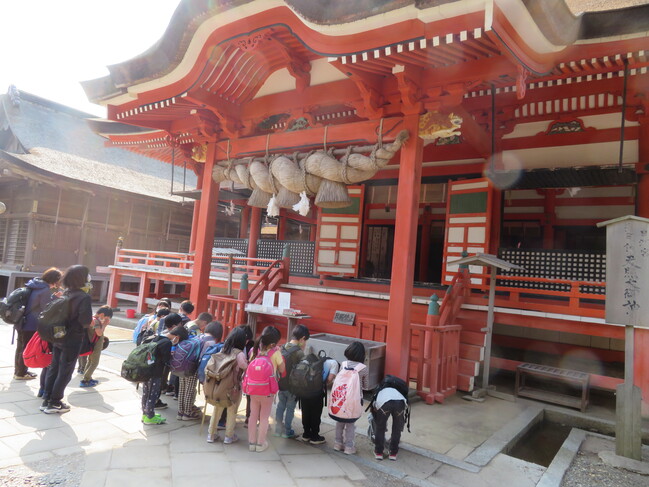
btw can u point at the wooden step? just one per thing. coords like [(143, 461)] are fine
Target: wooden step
[(472, 338), (468, 367), (465, 382), (474, 324), (471, 352)]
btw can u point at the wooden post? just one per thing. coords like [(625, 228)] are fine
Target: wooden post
[(405, 242), (197, 209), (229, 274), (255, 231), (424, 244), (113, 288), (628, 440), (145, 284), (205, 235), (490, 324), (245, 222)]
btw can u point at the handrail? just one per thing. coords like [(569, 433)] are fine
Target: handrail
[(265, 278), (229, 311)]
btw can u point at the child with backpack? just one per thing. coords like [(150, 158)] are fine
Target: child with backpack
[(389, 399), (292, 353), (223, 384), (94, 338), (187, 410), (260, 384), (312, 406), (346, 400), (151, 387)]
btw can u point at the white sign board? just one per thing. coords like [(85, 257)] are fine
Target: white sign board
[(284, 301), (269, 299), (627, 271)]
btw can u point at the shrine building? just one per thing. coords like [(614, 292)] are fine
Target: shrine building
[(383, 141)]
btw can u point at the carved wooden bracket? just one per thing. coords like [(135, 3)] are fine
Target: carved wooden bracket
[(408, 81), (299, 68)]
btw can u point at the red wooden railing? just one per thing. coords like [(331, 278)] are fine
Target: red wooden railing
[(436, 364), (574, 301), (275, 274), (171, 261), (229, 311)]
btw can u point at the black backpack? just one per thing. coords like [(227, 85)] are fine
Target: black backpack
[(305, 379), (289, 354), (395, 383), (12, 308), (53, 320)]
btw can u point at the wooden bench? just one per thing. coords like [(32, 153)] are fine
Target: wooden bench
[(572, 377)]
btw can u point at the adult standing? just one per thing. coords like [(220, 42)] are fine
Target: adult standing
[(76, 282), (42, 289)]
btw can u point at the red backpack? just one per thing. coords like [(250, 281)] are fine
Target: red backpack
[(260, 377), (37, 353)]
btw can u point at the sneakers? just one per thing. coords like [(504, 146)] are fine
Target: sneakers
[(378, 456), (252, 446), (338, 446), (40, 392), (88, 383), (350, 450), (220, 426), (156, 419), (56, 407), (305, 438), (261, 448), (27, 376), (289, 434), (317, 440), (46, 402), (231, 439), (169, 393), (211, 438), (160, 405), (393, 456), (191, 417)]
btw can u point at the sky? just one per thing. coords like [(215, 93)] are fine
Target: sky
[(48, 46)]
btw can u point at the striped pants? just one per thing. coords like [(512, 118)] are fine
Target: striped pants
[(187, 395)]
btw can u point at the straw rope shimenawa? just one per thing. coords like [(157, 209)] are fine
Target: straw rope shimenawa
[(317, 173)]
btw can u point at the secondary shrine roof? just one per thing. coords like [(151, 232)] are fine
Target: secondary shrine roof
[(39, 135)]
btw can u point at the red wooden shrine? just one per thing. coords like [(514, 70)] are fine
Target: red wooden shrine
[(515, 128)]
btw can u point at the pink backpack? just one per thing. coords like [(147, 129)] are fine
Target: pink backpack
[(260, 377), (346, 401)]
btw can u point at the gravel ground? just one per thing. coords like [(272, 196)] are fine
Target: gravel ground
[(588, 470), (64, 471)]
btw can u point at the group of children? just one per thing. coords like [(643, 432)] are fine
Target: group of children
[(262, 370)]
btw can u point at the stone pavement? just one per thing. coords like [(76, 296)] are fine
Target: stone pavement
[(458, 443)]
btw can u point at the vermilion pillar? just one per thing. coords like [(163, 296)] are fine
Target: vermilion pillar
[(206, 223), (255, 230), (245, 222), (405, 244), (424, 244), (197, 206)]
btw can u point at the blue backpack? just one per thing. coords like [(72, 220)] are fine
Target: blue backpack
[(184, 358), (138, 327), (207, 355)]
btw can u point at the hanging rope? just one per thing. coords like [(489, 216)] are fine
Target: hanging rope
[(302, 165), (380, 142), (324, 142), (343, 160)]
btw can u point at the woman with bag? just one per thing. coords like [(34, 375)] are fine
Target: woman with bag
[(77, 284), (260, 383), (42, 289)]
